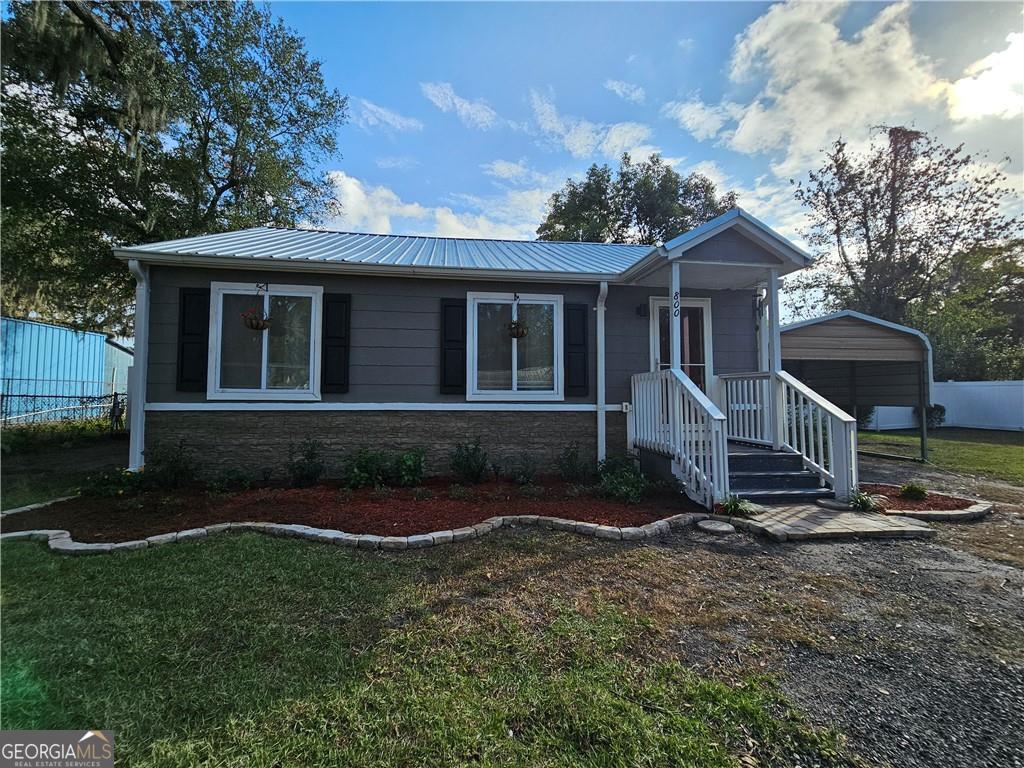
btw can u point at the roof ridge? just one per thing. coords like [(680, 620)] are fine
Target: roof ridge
[(446, 237)]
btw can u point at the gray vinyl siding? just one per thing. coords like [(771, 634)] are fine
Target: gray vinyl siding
[(395, 331), (732, 247)]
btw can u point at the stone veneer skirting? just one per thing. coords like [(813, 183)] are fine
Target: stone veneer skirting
[(254, 441)]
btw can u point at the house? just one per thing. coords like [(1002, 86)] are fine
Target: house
[(249, 341)]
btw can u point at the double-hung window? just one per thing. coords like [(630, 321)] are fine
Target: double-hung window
[(515, 347), (279, 358)]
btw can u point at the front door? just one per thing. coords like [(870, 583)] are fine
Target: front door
[(694, 337)]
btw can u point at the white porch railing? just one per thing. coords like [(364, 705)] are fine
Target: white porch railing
[(783, 412), (671, 416)]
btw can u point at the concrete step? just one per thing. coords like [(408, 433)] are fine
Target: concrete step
[(781, 495), (773, 480), (764, 461)]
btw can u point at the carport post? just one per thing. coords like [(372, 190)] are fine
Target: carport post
[(922, 409)]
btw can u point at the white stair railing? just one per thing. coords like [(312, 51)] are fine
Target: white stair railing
[(748, 406), (823, 434), (780, 411), (672, 417)]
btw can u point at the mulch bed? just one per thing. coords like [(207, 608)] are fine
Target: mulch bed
[(931, 501), (394, 512)]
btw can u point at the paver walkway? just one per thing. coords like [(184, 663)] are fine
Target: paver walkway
[(799, 522)]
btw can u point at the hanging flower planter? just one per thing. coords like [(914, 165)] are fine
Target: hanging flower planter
[(517, 329), (255, 320)]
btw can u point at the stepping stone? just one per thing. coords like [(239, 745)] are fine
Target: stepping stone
[(716, 526)]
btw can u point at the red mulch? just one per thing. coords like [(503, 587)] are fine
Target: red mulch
[(395, 513), (931, 501)]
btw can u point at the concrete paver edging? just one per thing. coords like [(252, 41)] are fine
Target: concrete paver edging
[(61, 541), (977, 510)]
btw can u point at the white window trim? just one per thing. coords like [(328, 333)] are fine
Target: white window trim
[(473, 393), (684, 301), (213, 389)]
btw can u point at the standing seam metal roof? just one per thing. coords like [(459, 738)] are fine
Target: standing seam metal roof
[(280, 244)]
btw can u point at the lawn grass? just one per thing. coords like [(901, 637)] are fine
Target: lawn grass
[(246, 650), (993, 453)]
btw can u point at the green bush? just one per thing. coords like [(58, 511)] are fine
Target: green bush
[(571, 466), (734, 506), (913, 490), (865, 413), (115, 482), (422, 494), (171, 467), (468, 462), (523, 470), (866, 502), (230, 481), (305, 463), (408, 468), (935, 415), (530, 491), (25, 438), (619, 477), (365, 468)]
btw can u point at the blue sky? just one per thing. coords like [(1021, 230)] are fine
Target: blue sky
[(466, 116)]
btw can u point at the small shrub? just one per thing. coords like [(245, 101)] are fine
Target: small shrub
[(734, 506), (407, 468), (469, 462), (230, 481), (382, 493), (571, 466), (305, 463), (523, 470), (530, 491), (865, 413), (170, 467), (619, 478), (868, 502), (365, 469), (913, 490), (116, 482), (935, 415), (497, 471), (459, 492), (577, 490), (422, 494)]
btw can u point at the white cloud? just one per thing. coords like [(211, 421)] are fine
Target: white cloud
[(370, 115), (398, 162), (513, 214), (475, 114), (686, 43), (627, 91), (582, 138), (814, 84), (992, 86), (702, 120), (507, 170)]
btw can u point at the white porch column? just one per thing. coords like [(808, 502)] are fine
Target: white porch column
[(675, 356), (777, 409), (138, 371)]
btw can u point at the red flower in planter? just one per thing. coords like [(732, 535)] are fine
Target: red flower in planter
[(255, 320)]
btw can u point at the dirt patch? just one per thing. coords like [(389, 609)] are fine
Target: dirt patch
[(385, 512), (930, 502)]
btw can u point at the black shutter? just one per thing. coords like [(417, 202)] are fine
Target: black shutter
[(334, 355), (453, 346), (577, 366), (193, 338)]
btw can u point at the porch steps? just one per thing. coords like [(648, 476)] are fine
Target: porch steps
[(765, 476)]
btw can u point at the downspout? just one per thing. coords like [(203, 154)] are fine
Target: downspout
[(140, 365), (602, 439)]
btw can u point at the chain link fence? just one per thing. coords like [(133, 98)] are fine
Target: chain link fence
[(34, 401)]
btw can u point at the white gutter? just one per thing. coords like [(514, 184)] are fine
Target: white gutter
[(137, 381), (602, 439)]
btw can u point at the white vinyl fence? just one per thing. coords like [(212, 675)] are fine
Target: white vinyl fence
[(973, 404)]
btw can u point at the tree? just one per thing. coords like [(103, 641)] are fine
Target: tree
[(646, 202), (134, 122), (891, 224), (976, 324)]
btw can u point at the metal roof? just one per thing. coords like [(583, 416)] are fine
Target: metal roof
[(281, 245)]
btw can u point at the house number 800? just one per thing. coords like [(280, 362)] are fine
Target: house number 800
[(675, 304)]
